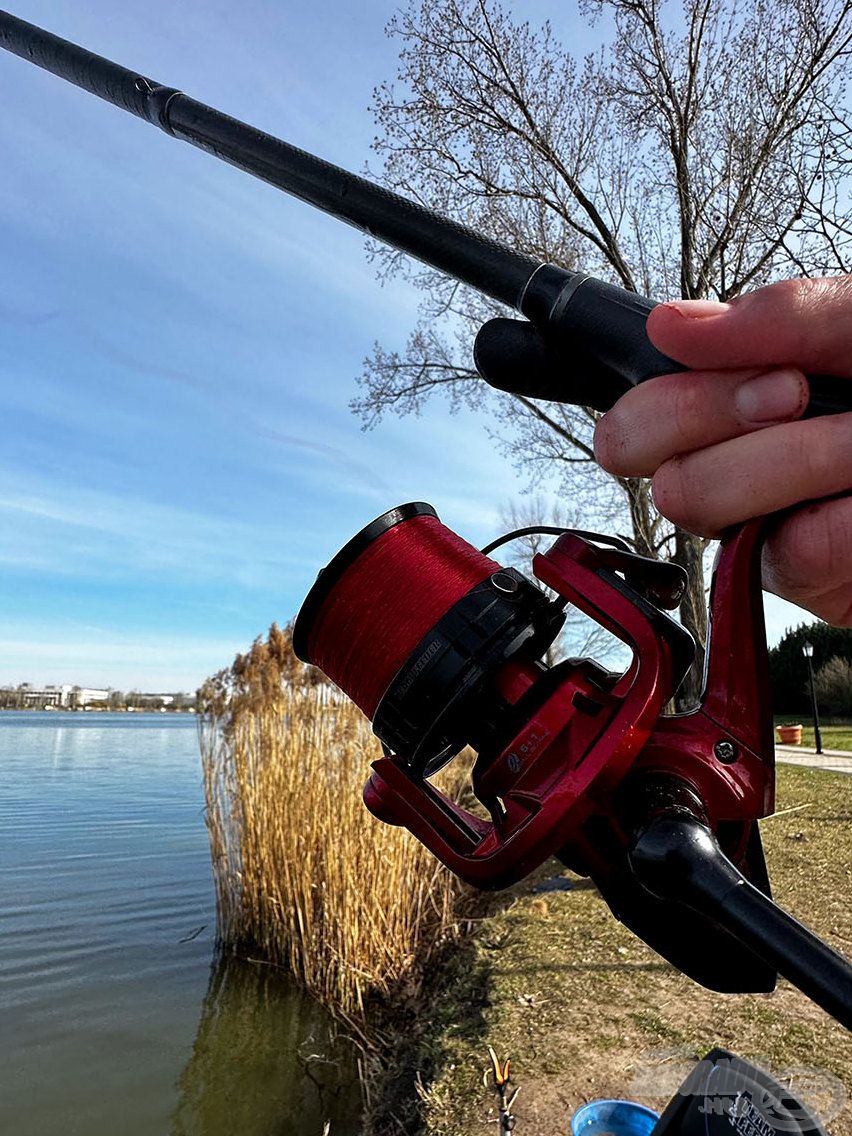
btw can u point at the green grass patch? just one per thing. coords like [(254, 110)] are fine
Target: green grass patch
[(833, 737), (586, 1010)]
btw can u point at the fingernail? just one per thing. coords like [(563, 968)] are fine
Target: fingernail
[(697, 309), (772, 397)]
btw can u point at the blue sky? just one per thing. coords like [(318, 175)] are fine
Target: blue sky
[(179, 343)]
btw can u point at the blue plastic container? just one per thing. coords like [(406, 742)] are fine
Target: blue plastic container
[(613, 1118)]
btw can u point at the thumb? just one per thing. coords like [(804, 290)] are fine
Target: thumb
[(801, 323)]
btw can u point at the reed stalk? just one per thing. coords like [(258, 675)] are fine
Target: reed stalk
[(305, 877)]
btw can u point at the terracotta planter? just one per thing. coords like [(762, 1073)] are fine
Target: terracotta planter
[(789, 735)]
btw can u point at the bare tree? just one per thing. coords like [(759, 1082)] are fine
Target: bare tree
[(703, 151)]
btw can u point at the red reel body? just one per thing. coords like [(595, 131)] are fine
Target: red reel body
[(563, 751), (571, 754)]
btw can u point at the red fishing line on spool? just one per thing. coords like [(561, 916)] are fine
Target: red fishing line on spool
[(386, 600)]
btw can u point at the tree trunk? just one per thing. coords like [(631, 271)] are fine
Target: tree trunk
[(641, 515), (689, 554)]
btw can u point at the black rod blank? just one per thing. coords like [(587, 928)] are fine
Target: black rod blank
[(589, 341), (487, 265)]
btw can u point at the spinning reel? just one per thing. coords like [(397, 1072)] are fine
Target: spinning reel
[(443, 647)]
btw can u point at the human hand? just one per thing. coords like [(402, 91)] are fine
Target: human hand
[(723, 442)]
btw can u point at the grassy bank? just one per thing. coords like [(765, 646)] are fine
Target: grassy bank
[(586, 1010), (387, 939)]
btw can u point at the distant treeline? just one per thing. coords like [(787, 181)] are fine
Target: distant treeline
[(832, 664)]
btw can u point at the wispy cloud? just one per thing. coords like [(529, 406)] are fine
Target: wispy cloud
[(98, 533), (178, 663), (25, 317)]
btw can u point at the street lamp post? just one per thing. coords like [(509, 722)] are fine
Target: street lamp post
[(808, 652)]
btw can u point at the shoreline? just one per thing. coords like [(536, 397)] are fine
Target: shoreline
[(95, 710)]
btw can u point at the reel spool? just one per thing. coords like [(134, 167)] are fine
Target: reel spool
[(413, 623)]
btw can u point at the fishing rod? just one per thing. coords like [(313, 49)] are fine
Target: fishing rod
[(587, 343), (445, 647)]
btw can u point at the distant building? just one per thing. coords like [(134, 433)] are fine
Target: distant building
[(144, 700), (84, 696), (67, 696)]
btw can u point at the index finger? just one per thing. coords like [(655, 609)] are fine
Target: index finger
[(802, 323)]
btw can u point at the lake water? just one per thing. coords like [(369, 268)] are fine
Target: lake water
[(114, 1015)]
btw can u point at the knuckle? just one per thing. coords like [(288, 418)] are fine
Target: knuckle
[(822, 454), (789, 303), (838, 451), (680, 495), (814, 549), (803, 457), (805, 548), (797, 294), (830, 552), (687, 410), (794, 298), (812, 314)]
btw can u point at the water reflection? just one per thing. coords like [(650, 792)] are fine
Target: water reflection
[(264, 1061), (104, 884)]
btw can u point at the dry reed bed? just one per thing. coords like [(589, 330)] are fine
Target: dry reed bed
[(305, 877)]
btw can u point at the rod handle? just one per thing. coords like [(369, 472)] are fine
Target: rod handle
[(581, 316)]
